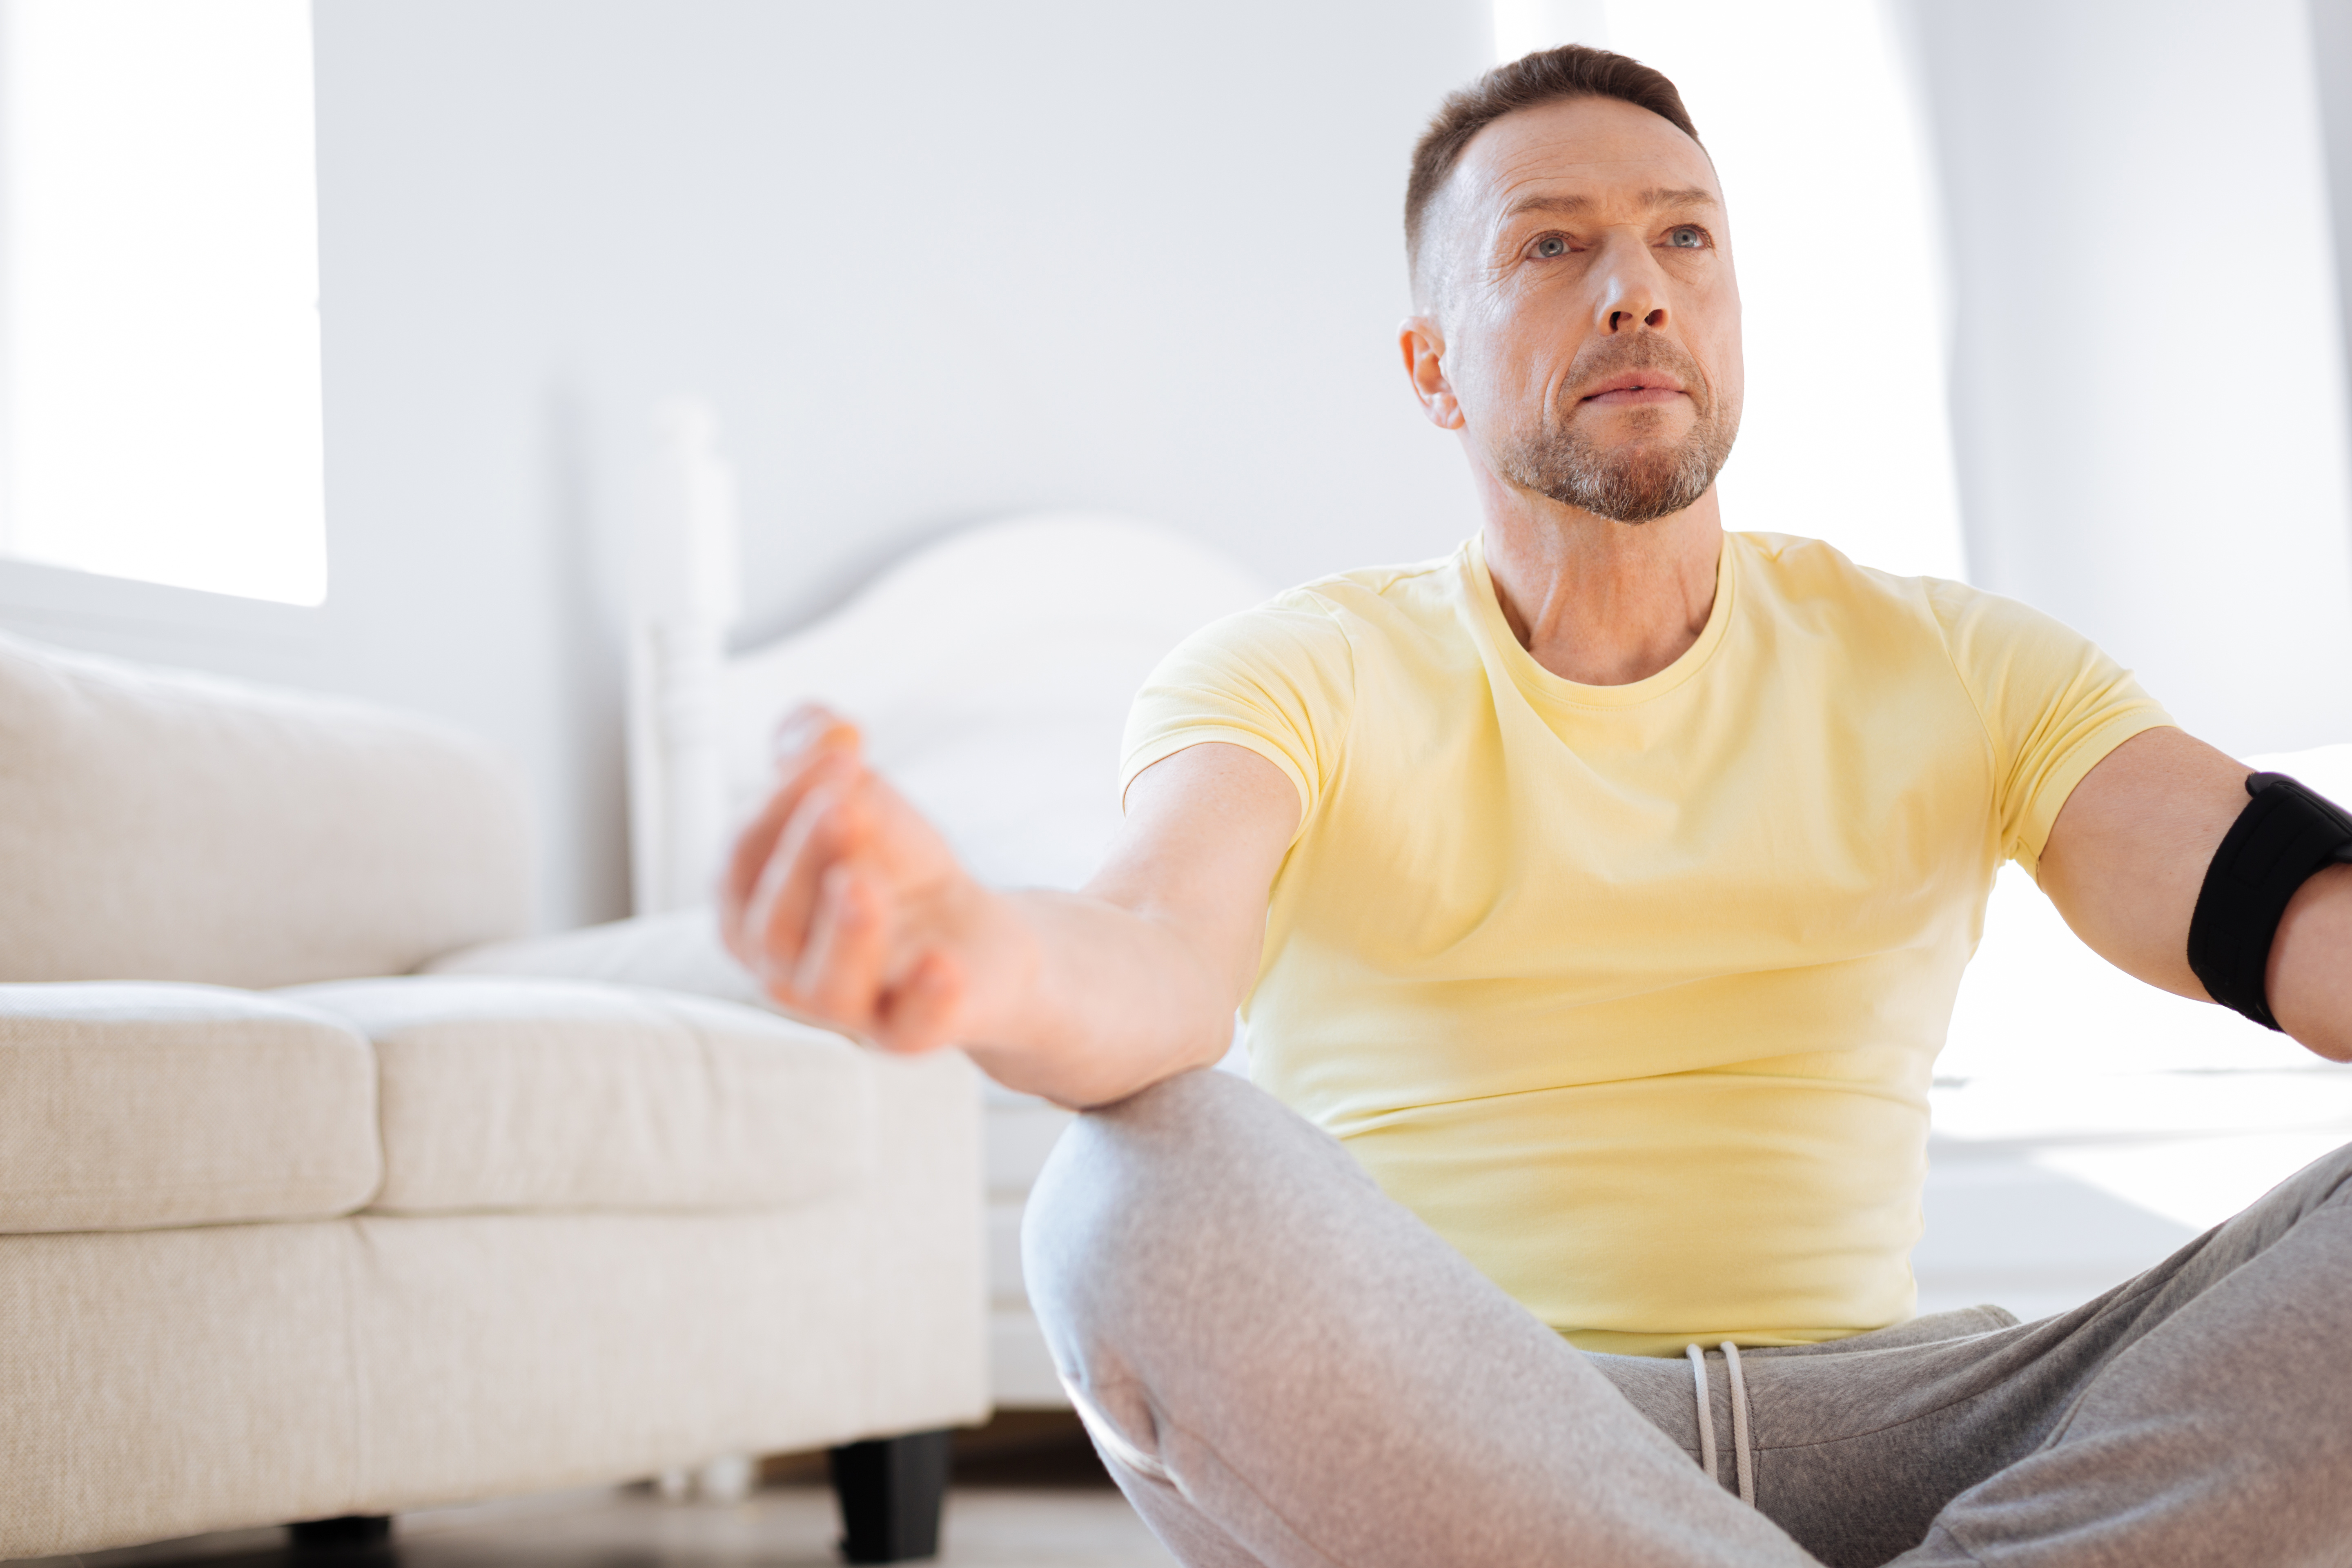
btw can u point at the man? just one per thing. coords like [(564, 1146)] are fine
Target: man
[(1605, 887)]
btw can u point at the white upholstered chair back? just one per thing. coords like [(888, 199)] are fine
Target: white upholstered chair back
[(990, 673)]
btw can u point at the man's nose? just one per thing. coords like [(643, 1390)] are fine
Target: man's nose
[(1630, 290)]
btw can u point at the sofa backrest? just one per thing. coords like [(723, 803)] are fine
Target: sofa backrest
[(157, 825)]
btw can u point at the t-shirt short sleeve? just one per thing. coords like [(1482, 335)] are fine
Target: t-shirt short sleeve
[(1277, 681), (2053, 706)]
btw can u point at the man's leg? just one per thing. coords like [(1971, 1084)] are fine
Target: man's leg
[(2194, 1415), (2209, 1408), (1284, 1368)]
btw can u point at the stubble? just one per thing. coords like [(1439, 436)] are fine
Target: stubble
[(1635, 480)]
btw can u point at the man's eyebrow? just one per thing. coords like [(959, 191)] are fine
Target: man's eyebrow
[(1653, 199)]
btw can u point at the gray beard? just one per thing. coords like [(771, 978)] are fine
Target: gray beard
[(1625, 486)]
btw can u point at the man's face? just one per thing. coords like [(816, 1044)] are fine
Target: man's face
[(1581, 321)]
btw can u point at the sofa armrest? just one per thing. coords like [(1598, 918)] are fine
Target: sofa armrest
[(135, 1106)]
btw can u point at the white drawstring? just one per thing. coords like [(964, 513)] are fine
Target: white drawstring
[(1742, 1450), (1706, 1415)]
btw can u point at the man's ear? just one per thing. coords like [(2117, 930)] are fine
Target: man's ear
[(1424, 343)]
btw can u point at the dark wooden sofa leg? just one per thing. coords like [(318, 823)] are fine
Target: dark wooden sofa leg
[(341, 1534), (890, 1490)]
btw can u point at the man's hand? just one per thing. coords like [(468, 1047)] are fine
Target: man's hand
[(2126, 860), (850, 909)]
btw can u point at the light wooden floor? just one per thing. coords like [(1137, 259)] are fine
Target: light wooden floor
[(781, 1527)]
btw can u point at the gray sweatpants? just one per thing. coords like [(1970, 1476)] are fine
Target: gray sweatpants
[(1282, 1368)]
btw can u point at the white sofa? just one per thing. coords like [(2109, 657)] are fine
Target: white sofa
[(284, 1240)]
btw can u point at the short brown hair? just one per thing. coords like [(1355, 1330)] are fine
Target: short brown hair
[(1548, 75)]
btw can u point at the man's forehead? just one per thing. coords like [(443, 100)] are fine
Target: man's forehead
[(1581, 153)]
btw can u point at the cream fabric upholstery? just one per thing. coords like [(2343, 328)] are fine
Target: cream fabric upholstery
[(153, 1383), (127, 1106), (599, 1232), (567, 1337), (544, 1094), (680, 951), (162, 1383), (169, 827)]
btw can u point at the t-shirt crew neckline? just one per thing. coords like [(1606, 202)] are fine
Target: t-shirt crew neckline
[(1540, 683)]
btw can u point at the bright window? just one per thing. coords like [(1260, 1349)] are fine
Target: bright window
[(159, 283)]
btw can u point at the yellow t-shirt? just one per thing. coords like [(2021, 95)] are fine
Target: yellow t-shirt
[(1632, 992)]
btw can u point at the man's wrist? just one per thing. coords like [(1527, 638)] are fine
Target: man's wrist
[(1004, 958)]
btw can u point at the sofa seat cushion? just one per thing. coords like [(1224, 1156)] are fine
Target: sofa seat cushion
[(502, 1094), (138, 1106), (678, 950)]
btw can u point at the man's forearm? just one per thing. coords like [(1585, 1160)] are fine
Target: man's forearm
[(1094, 1001)]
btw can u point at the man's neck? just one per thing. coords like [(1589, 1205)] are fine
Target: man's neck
[(1597, 602)]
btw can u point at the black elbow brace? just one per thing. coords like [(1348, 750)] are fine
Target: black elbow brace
[(2285, 834)]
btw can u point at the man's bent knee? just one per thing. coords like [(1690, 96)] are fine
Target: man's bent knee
[(1150, 1212), (1152, 1182)]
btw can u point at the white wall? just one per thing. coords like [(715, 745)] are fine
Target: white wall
[(1845, 435), (2148, 399), (929, 261), (933, 261)]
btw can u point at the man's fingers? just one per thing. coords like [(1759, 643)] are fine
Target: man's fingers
[(813, 746), (826, 827), (809, 899), (753, 848), (806, 728), (839, 976)]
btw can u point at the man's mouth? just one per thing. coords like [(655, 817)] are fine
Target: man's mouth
[(1635, 386)]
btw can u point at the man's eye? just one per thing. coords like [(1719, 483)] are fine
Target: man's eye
[(1551, 244), (1686, 236)]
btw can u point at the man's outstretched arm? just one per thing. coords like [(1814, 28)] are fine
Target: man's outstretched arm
[(851, 909), (2128, 857)]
